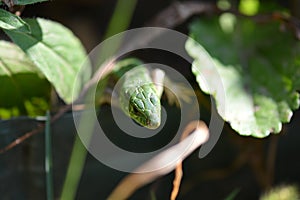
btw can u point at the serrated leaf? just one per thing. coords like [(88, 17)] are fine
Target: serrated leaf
[(259, 68), (57, 52), (24, 90), (9, 21)]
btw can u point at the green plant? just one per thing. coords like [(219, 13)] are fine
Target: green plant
[(255, 55), (283, 192), (44, 54), (260, 75)]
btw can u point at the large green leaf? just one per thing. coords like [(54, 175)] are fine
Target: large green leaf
[(259, 67), (56, 51), (9, 21), (24, 90)]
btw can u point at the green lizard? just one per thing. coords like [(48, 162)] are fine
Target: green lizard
[(140, 92)]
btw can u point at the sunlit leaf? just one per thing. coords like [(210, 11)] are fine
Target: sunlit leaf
[(259, 67), (57, 52), (24, 90), (9, 21)]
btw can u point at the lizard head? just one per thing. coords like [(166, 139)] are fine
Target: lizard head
[(145, 108)]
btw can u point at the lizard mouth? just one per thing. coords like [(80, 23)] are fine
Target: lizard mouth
[(153, 124), (147, 122)]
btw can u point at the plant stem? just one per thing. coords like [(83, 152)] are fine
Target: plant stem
[(119, 22), (74, 171), (48, 158)]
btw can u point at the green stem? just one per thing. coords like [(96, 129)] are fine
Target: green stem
[(118, 23), (121, 17), (48, 158), (74, 171)]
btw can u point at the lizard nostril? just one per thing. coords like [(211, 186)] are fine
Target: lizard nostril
[(153, 100)]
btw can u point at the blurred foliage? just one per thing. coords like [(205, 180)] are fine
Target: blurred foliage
[(249, 7), (286, 192), (233, 194)]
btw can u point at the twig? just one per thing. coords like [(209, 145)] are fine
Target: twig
[(21, 139), (178, 171), (137, 179), (39, 129), (177, 181), (179, 12)]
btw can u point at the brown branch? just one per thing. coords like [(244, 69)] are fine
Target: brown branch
[(177, 181), (135, 180), (21, 139), (31, 133), (178, 171), (179, 12)]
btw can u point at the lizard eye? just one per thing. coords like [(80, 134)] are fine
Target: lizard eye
[(136, 111)]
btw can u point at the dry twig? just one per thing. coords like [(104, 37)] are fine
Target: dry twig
[(134, 181)]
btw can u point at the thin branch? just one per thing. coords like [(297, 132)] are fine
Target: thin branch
[(39, 129), (179, 12), (21, 139), (177, 181), (135, 180), (178, 171)]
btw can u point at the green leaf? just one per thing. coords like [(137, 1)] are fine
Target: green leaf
[(57, 52), (9, 21), (24, 90), (11, 3), (26, 2), (259, 67)]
